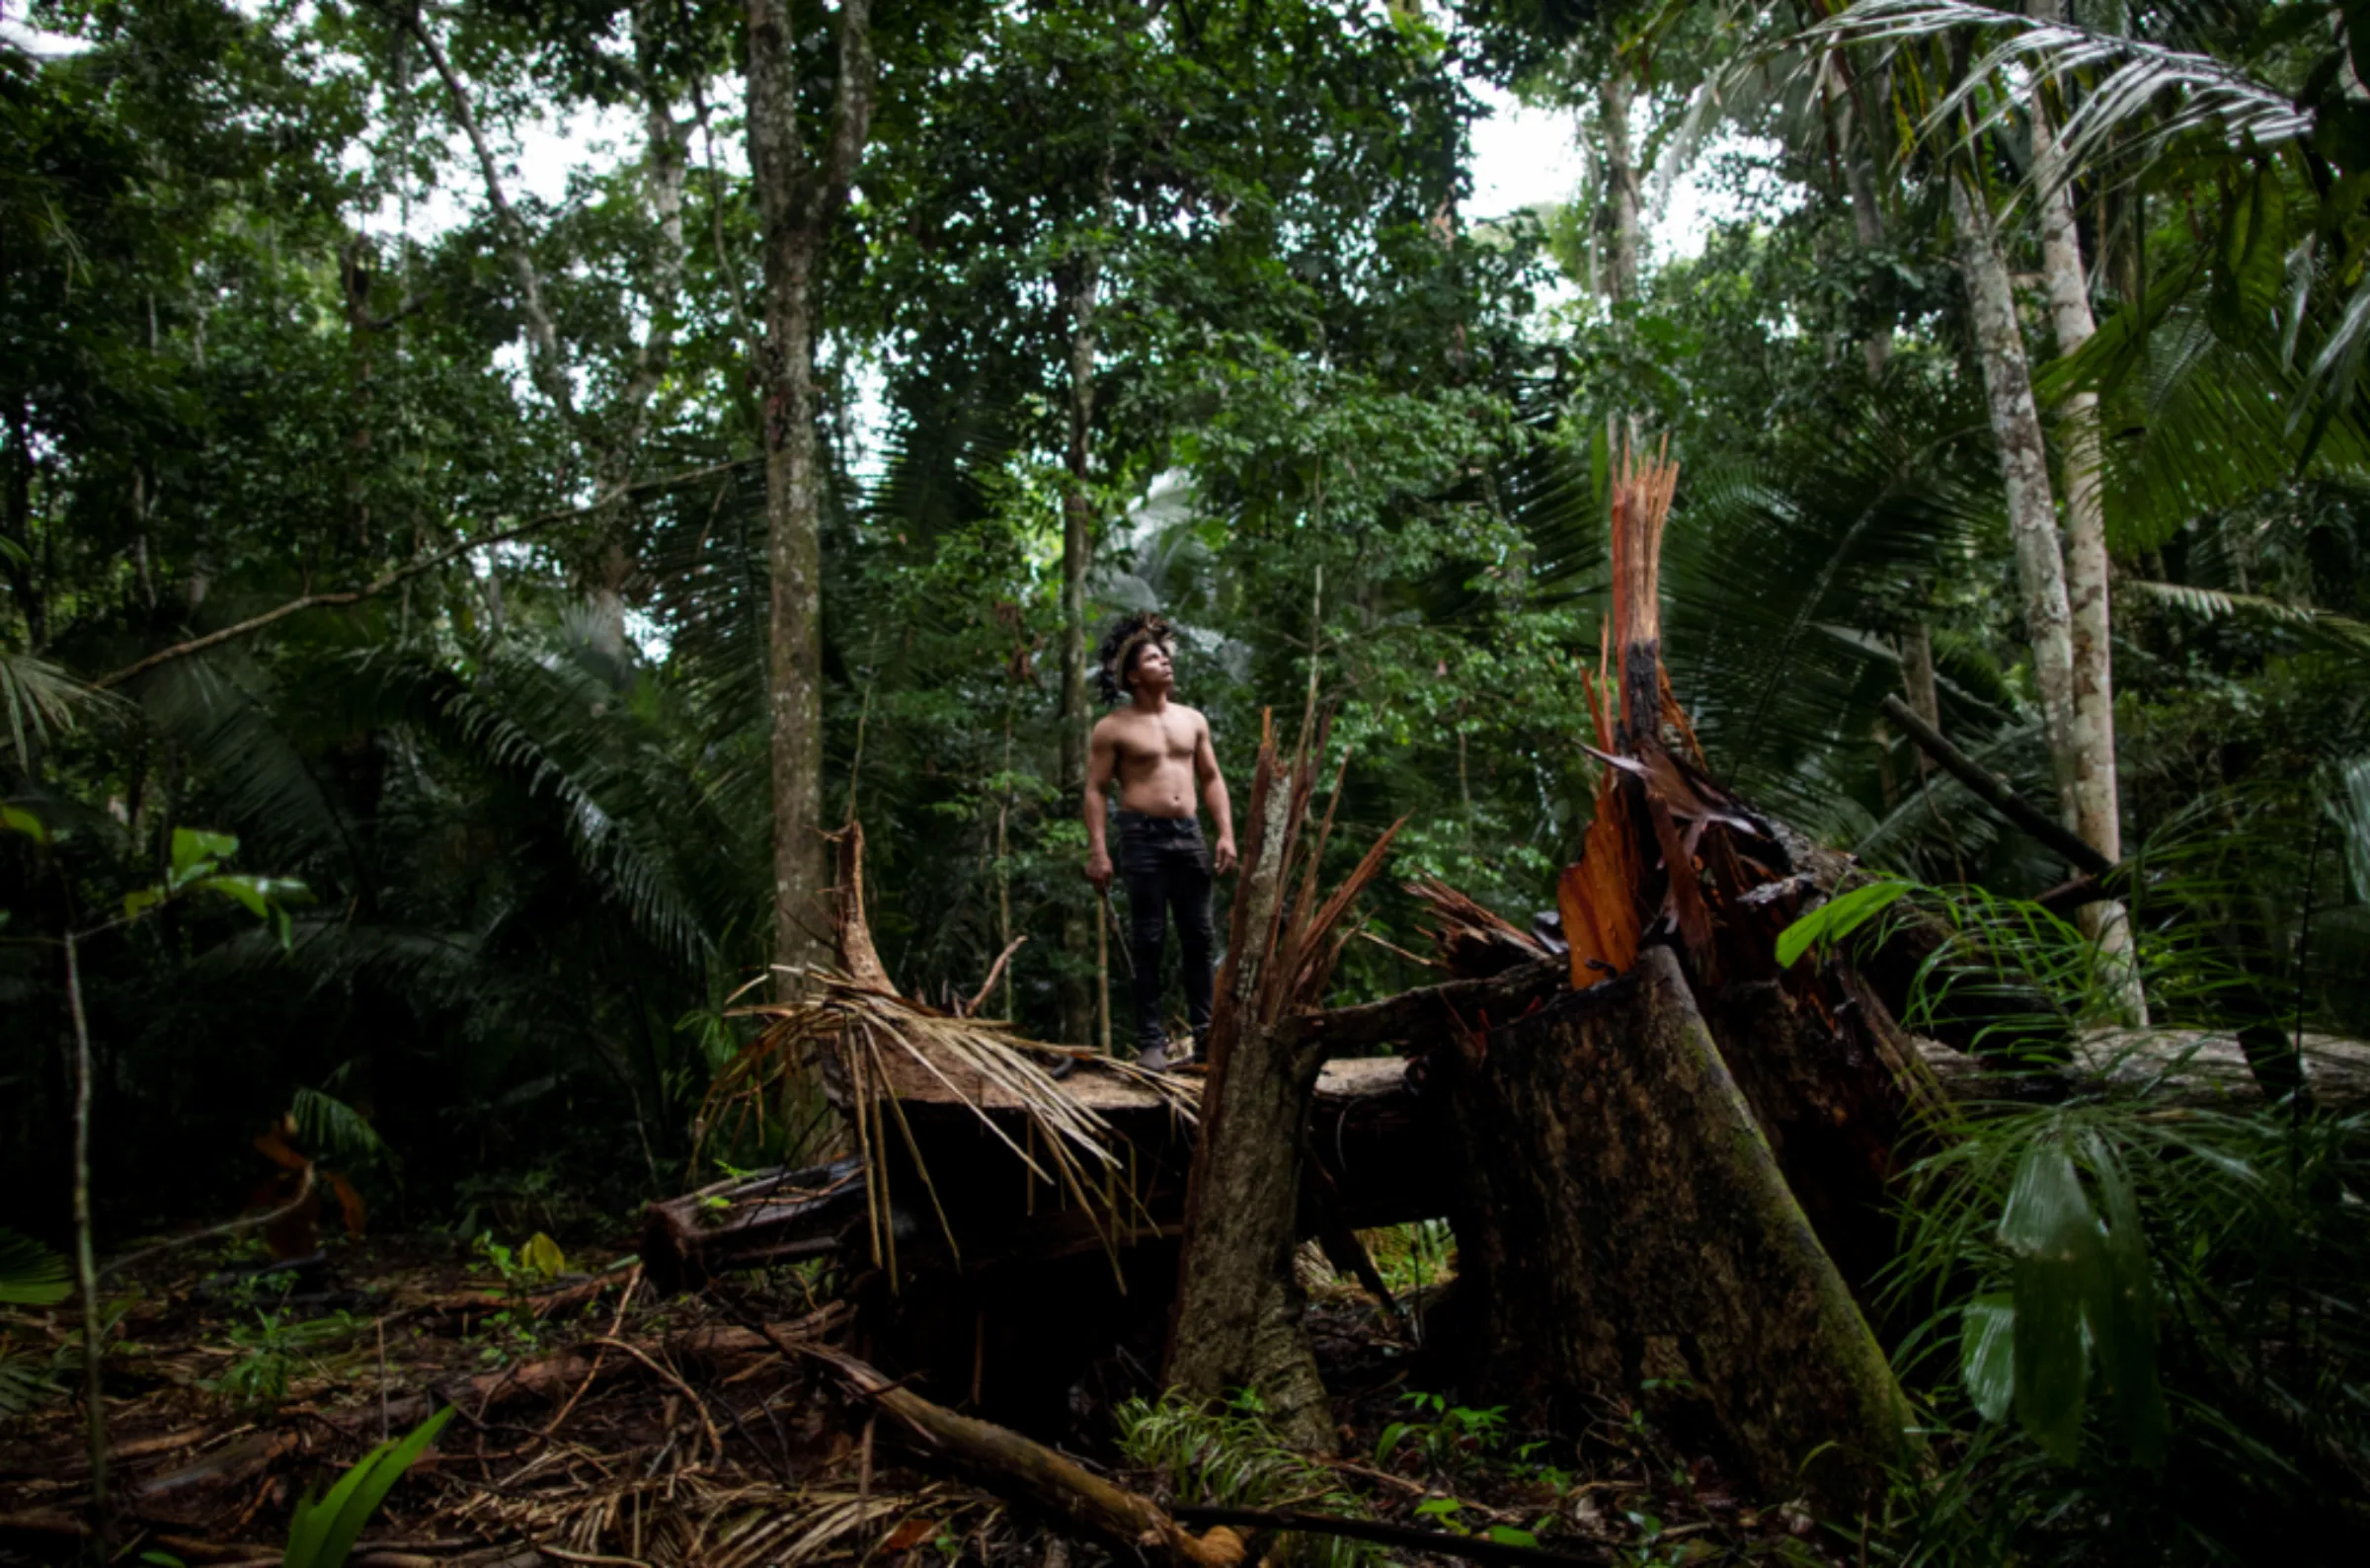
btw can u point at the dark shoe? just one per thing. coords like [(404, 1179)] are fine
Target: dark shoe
[(1153, 1058), (1061, 1068)]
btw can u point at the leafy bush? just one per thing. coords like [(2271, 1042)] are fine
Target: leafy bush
[(2141, 1322)]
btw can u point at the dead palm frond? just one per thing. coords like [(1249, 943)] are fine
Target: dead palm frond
[(875, 1049)]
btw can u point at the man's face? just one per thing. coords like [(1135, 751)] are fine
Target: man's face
[(1152, 671)]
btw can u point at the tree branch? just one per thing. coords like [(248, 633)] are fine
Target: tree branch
[(551, 376), (308, 602), (851, 113), (1993, 792)]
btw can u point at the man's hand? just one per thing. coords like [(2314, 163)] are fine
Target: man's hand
[(1098, 870), (1221, 859)]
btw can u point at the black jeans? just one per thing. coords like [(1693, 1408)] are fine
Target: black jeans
[(1165, 864)]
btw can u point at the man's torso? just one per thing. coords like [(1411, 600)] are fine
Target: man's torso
[(1154, 759)]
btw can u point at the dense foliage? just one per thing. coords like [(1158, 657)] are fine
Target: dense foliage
[(281, 330)]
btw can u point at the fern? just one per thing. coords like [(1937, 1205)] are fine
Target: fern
[(31, 1274), (1230, 1459), (329, 1129)]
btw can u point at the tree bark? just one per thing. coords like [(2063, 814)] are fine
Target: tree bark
[(2024, 471), (2097, 811), (1859, 162), (547, 366), (1078, 553), (1625, 1223), (664, 163), (800, 190), (1616, 220)]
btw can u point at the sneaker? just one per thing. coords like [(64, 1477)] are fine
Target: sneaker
[(1153, 1058)]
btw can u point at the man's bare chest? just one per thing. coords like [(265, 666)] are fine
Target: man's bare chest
[(1152, 742)]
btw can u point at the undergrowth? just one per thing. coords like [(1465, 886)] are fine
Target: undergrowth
[(1230, 1459), (2143, 1316)]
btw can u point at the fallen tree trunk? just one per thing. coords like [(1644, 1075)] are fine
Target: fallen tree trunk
[(747, 1222)]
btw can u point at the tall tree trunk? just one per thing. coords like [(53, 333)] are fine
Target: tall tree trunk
[(666, 158), (1078, 551), (800, 190), (1917, 675), (1867, 216), (2095, 810), (1616, 220), (2024, 471)]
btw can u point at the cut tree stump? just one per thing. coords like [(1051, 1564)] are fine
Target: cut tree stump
[(1624, 1223)]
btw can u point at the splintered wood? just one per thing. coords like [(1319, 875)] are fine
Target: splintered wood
[(1642, 488), (1599, 896)]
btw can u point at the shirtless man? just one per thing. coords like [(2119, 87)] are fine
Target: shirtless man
[(1158, 750)]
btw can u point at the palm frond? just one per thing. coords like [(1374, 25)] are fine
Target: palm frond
[(1785, 580), (2126, 106), (31, 1274), (330, 1128), (24, 1381), (635, 818), (878, 1049), (2335, 632), (230, 717), (41, 697)]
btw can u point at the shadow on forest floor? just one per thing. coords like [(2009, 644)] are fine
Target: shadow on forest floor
[(598, 1424)]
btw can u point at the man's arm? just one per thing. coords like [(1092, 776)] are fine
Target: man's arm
[(1102, 756), (1213, 791)]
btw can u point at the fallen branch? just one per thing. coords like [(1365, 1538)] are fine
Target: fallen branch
[(969, 1009), (1993, 792), (403, 574), (1033, 1474), (304, 1190)]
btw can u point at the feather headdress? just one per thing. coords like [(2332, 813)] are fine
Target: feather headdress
[(1123, 642)]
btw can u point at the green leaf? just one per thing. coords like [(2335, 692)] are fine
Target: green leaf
[(1443, 1509), (31, 1274), (2122, 1316), (1837, 918), (192, 846), (1508, 1535), (1986, 1359), (324, 1533), (16, 820), (140, 900), (242, 888), (2053, 1235), (542, 1256), (261, 897), (1392, 1435)]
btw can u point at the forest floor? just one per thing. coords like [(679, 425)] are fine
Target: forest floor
[(596, 1422)]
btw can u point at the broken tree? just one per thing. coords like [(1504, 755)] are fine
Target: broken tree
[(1237, 1319), (1645, 1154)]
